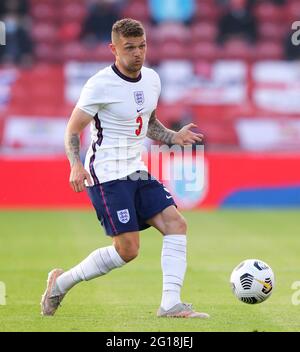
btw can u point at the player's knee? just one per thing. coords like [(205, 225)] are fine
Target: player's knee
[(128, 252)]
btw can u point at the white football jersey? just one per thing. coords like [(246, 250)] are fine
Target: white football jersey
[(121, 108)]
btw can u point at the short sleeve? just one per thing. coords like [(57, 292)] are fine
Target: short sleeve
[(92, 96), (158, 85)]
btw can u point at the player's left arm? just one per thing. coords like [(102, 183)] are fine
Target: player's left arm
[(158, 132)]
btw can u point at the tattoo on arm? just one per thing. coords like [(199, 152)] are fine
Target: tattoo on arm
[(72, 147), (158, 132)]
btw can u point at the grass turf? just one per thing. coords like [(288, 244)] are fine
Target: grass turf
[(32, 243)]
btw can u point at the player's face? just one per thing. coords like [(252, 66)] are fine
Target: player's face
[(130, 54)]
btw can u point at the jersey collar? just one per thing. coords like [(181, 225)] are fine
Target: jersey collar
[(128, 79)]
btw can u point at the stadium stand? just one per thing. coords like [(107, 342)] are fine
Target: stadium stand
[(217, 101)]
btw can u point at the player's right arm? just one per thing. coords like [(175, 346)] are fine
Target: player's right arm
[(78, 121)]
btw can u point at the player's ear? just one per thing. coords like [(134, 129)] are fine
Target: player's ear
[(113, 48)]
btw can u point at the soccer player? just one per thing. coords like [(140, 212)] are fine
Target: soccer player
[(120, 102)]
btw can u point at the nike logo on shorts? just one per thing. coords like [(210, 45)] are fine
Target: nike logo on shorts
[(139, 110), (168, 197)]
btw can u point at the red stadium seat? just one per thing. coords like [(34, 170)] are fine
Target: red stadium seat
[(44, 32), (206, 11), (173, 51), (47, 72), (170, 31), (237, 49), (66, 2), (102, 53), (82, 52), (47, 52), (65, 109), (204, 31), (267, 50), (47, 2), (272, 31), (138, 10), (73, 12), (69, 31), (168, 113), (292, 12), (207, 51), (221, 133), (47, 89), (45, 12), (153, 55), (75, 51), (203, 68), (268, 12)]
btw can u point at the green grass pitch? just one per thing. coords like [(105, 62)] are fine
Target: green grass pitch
[(32, 243)]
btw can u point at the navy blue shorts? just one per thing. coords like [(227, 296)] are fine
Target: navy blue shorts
[(124, 205)]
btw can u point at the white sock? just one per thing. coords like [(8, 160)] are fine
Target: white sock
[(98, 263), (173, 263)]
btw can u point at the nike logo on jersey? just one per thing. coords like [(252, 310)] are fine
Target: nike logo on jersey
[(168, 197), (139, 110)]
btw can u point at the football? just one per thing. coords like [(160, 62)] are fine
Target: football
[(252, 281)]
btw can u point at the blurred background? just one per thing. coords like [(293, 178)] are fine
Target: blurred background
[(227, 65)]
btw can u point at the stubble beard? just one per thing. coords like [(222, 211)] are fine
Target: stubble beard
[(134, 68)]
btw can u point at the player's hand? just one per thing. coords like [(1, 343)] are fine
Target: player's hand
[(78, 176), (187, 137)]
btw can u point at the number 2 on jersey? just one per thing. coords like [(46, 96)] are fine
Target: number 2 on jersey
[(139, 120)]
